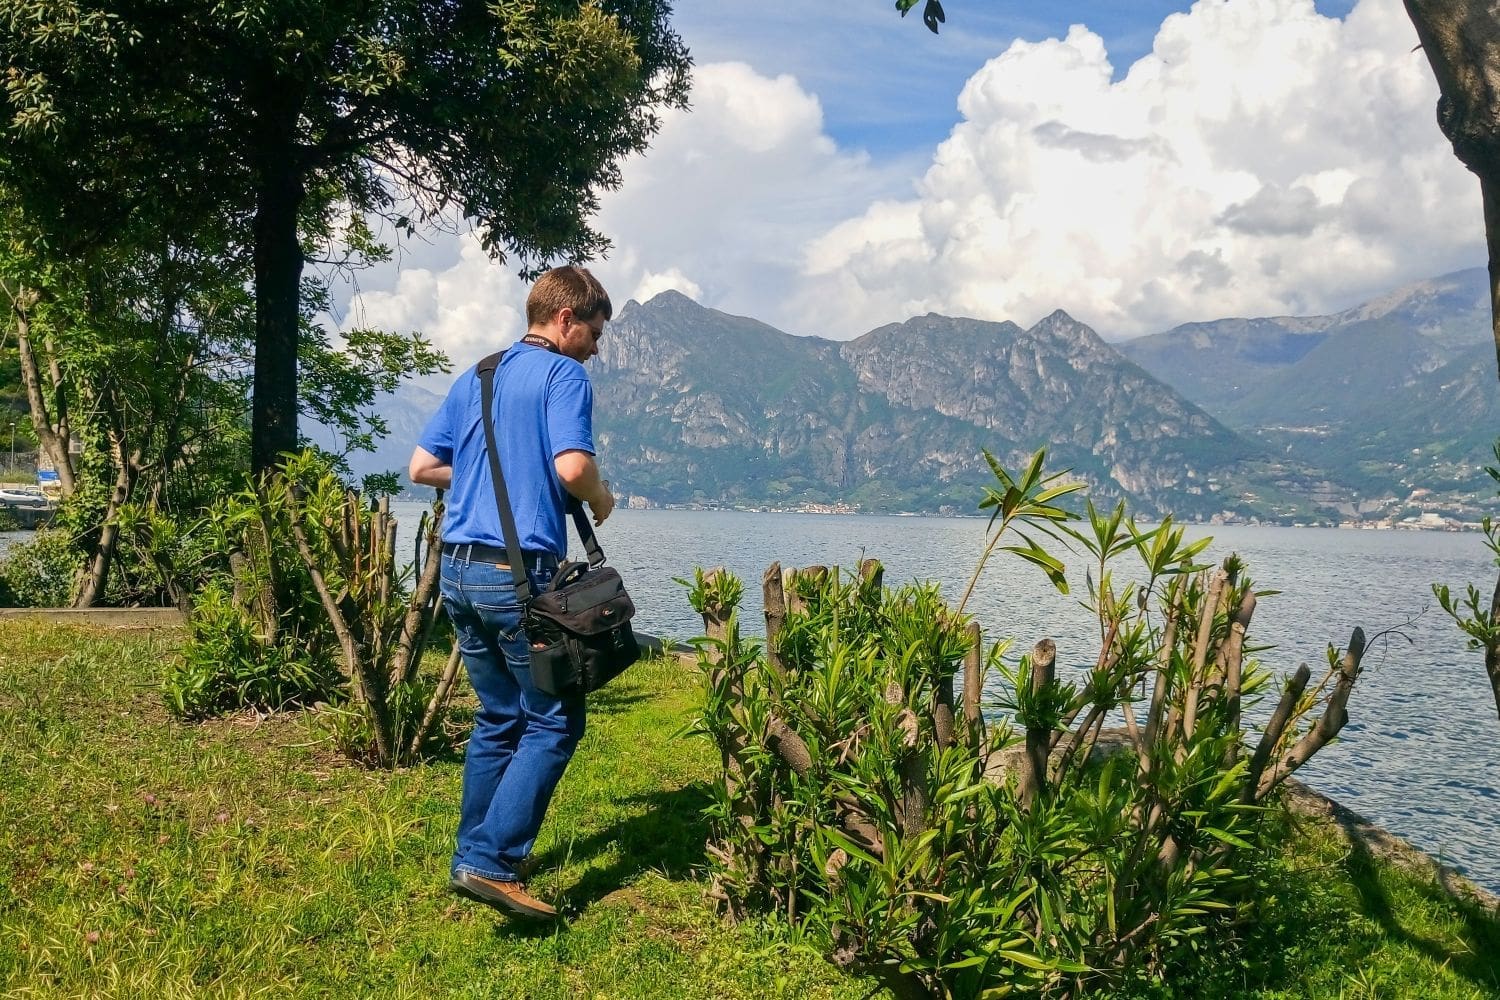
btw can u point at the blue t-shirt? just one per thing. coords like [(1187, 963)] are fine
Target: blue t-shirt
[(544, 406)]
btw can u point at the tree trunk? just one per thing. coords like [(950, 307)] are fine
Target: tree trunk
[(278, 276), (96, 575), (53, 441), (1462, 44)]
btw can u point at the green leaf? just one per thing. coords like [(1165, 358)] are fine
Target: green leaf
[(1027, 959), (849, 846), (1048, 564), (1228, 838), (967, 963)]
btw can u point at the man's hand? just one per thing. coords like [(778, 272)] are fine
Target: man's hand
[(580, 477), (603, 504)]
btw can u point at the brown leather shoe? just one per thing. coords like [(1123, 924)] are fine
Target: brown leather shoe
[(510, 897)]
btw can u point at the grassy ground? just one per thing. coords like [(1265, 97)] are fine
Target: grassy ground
[(142, 857)]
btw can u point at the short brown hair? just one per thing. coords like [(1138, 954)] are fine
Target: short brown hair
[(567, 287)]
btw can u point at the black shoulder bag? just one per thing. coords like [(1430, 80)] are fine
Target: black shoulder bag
[(579, 628)]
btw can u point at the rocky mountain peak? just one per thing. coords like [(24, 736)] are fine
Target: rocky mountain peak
[(666, 300)]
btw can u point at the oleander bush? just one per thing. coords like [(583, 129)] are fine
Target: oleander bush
[(315, 605), (954, 852), (229, 663), (257, 637)]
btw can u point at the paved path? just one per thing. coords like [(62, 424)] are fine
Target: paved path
[(133, 618)]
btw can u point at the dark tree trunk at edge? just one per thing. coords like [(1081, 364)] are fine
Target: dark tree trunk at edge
[(1462, 43), (278, 277), (1489, 187)]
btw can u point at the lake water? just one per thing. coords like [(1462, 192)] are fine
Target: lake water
[(1420, 755)]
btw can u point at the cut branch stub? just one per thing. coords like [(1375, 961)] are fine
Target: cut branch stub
[(775, 604), (1233, 658), (1335, 716), (1162, 688), (913, 768), (872, 573), (809, 580), (914, 800), (422, 605), (1038, 737), (421, 536), (435, 705), (715, 615), (1209, 611), (1274, 730), (1217, 585), (911, 729), (942, 711), (974, 684)]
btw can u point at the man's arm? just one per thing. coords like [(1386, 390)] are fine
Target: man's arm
[(429, 470), (580, 477)]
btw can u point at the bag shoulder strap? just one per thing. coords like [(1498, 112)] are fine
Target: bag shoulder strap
[(586, 533), (518, 575), (486, 371)]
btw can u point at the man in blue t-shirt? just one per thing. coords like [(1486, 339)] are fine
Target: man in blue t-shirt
[(543, 411)]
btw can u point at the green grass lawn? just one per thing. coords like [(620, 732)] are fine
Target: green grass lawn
[(141, 857)]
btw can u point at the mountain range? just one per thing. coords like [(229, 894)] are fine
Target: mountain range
[(1393, 395), (1282, 418)]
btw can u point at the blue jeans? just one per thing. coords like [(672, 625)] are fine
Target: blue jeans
[(523, 738)]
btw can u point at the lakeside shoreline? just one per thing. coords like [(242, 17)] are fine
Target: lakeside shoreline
[(1454, 526), (1414, 766), (1363, 833)]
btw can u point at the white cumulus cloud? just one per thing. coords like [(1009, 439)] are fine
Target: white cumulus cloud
[(468, 309), (1262, 159), (654, 283), (730, 192)]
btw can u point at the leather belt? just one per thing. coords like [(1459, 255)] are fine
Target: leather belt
[(475, 552)]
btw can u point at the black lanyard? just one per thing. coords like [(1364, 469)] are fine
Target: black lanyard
[(536, 340)]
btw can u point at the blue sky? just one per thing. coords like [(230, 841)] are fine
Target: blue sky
[(1138, 165), (886, 83)]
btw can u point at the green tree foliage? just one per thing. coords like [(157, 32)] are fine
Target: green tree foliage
[(932, 12), (134, 364), (128, 359), (274, 119)]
